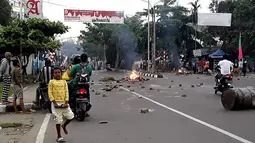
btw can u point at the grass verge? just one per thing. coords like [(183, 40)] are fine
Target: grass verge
[(10, 125)]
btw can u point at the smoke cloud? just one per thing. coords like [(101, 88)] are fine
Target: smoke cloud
[(127, 44)]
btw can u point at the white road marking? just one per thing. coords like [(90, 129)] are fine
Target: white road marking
[(193, 118), (41, 133)]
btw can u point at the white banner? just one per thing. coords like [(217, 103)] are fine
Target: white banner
[(94, 16), (33, 9), (214, 19)]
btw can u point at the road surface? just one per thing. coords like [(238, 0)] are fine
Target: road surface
[(197, 117)]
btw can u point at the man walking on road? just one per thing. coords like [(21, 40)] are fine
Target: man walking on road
[(5, 70), (58, 93)]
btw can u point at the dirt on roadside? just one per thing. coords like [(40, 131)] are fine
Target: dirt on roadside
[(14, 126)]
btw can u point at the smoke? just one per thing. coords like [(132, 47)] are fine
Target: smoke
[(127, 44), (171, 32)]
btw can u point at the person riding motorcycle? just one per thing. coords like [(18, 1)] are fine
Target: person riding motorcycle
[(73, 74), (75, 69), (224, 67), (44, 77)]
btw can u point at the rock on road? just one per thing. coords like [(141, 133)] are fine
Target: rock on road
[(197, 117)]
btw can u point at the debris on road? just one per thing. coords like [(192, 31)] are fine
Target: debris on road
[(201, 83), (108, 89), (103, 122), (104, 95), (192, 86), (128, 86), (106, 79), (115, 86), (170, 86), (151, 88), (184, 95), (93, 90), (146, 110), (97, 93), (172, 81), (238, 78), (198, 85), (120, 84), (132, 90), (180, 85), (142, 87)]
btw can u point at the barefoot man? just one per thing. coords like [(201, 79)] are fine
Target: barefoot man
[(58, 93)]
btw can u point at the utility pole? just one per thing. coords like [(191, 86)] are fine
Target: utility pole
[(154, 39), (148, 61), (21, 41)]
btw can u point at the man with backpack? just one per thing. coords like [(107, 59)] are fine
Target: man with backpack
[(82, 68), (5, 74)]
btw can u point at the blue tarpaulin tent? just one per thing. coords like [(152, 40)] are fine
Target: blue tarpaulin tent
[(217, 54)]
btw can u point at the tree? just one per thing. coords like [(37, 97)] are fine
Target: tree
[(5, 12), (33, 35), (242, 22), (118, 40)]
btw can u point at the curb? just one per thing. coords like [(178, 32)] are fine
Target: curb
[(9, 107), (150, 75)]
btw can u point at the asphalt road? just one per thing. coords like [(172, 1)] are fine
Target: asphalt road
[(197, 118)]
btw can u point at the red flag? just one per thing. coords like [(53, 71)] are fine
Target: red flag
[(240, 50)]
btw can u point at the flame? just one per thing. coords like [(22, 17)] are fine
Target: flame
[(180, 71), (133, 75)]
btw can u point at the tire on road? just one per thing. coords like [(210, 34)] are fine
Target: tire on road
[(238, 98)]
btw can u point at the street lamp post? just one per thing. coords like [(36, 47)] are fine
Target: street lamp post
[(154, 34), (148, 61)]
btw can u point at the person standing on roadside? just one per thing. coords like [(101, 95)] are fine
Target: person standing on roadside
[(5, 71), (17, 86), (244, 70), (194, 66)]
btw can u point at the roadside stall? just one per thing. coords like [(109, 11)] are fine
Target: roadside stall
[(216, 57)]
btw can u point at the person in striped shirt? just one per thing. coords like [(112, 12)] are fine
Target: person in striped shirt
[(44, 77)]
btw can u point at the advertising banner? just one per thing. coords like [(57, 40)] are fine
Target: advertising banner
[(214, 19), (33, 9), (94, 16)]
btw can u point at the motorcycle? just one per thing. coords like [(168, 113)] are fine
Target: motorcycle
[(79, 101), (224, 83), (44, 101)]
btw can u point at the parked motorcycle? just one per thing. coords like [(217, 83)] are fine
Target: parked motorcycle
[(224, 83), (79, 100), (44, 101)]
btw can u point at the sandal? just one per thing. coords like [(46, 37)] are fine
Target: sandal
[(61, 140)]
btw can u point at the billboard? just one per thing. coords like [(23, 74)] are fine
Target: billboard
[(94, 16), (33, 9), (214, 19)]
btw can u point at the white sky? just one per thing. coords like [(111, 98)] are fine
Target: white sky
[(130, 7)]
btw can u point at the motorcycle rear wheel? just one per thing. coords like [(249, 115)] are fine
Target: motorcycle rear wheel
[(81, 115)]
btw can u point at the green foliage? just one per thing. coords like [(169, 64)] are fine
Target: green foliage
[(242, 21), (32, 34), (5, 12)]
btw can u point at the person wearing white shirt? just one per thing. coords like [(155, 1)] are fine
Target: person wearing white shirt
[(226, 68)]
